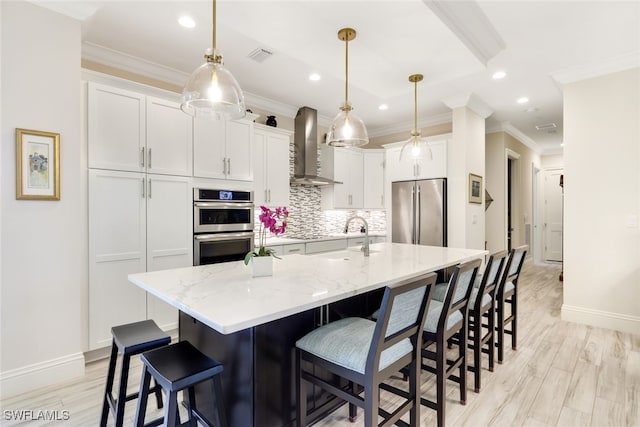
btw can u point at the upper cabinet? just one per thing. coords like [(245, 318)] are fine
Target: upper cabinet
[(222, 149), (373, 179), (409, 169), (344, 165), (271, 165), (129, 131)]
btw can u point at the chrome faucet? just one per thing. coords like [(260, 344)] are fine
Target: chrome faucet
[(365, 246)]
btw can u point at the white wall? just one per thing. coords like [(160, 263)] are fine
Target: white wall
[(495, 221), (602, 198), (44, 243), (465, 154)]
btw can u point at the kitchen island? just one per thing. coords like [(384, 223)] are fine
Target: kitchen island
[(251, 324)]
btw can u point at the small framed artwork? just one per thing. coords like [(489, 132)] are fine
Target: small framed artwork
[(37, 165), (475, 188)]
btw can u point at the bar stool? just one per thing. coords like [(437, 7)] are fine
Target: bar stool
[(175, 368), (129, 339)]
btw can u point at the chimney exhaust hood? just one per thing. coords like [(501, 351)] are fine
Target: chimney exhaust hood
[(305, 150)]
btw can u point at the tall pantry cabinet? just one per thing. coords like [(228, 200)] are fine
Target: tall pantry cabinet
[(140, 205)]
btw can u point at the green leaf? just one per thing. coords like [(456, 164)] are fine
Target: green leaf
[(247, 258)]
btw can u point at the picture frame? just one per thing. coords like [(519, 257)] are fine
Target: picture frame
[(475, 188), (37, 165)]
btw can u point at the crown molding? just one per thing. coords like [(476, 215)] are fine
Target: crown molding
[(468, 22), (470, 101), (408, 125), (583, 72), (132, 64), (515, 132), (73, 9)]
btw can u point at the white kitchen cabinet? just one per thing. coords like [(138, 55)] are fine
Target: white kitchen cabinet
[(129, 131), (116, 128), (409, 169), (169, 236), (294, 248), (137, 222), (344, 165), (169, 138), (222, 149), (271, 166), (373, 179)]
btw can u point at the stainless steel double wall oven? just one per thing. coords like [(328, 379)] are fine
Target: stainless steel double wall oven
[(222, 225)]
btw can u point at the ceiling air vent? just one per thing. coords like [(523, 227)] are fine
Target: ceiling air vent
[(260, 54), (546, 126)]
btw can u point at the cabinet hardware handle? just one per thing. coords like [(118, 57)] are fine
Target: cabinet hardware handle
[(228, 166), (149, 159), (149, 188), (418, 169), (143, 188), (269, 195), (294, 250), (224, 166), (265, 195), (142, 157)]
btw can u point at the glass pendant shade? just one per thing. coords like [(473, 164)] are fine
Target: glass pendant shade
[(347, 130), (415, 148), (213, 93)]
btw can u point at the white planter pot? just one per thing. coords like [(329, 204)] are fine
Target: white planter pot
[(262, 266)]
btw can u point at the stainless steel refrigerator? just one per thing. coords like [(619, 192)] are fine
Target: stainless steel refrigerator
[(419, 212)]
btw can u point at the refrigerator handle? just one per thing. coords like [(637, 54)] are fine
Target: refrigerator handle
[(418, 202)]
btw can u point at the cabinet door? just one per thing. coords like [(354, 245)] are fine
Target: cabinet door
[(277, 169), (341, 173), (169, 236), (169, 138), (436, 166), (116, 128), (396, 169), (116, 249), (239, 137), (209, 155), (258, 152), (373, 164), (356, 179)]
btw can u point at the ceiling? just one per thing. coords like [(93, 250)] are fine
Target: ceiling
[(457, 45)]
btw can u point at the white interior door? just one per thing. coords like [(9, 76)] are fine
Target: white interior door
[(552, 215)]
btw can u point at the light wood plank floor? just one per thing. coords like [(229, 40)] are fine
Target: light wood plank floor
[(563, 374)]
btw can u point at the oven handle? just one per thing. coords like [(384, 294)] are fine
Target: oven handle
[(223, 205), (222, 236)]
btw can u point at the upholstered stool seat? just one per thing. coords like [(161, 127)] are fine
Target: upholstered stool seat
[(175, 368), (130, 339), (366, 353)]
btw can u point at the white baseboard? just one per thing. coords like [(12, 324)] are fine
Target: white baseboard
[(31, 377), (601, 319)]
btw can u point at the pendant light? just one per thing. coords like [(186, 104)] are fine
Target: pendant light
[(347, 129), (415, 148), (211, 91)]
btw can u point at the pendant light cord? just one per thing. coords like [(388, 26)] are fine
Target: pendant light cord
[(213, 27), (346, 72), (415, 106)]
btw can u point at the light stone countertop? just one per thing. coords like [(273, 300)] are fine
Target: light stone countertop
[(226, 298)]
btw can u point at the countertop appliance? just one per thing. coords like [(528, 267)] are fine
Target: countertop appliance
[(419, 212), (222, 225)]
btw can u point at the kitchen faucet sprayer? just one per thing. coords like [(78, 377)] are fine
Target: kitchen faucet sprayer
[(365, 246)]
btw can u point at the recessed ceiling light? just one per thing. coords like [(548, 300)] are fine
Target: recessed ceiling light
[(186, 21), (522, 100), (383, 107), (314, 77), (499, 75)]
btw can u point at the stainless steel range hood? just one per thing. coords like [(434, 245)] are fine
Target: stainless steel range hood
[(305, 150)]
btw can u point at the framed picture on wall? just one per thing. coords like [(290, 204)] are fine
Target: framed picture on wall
[(37, 165), (475, 188)]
